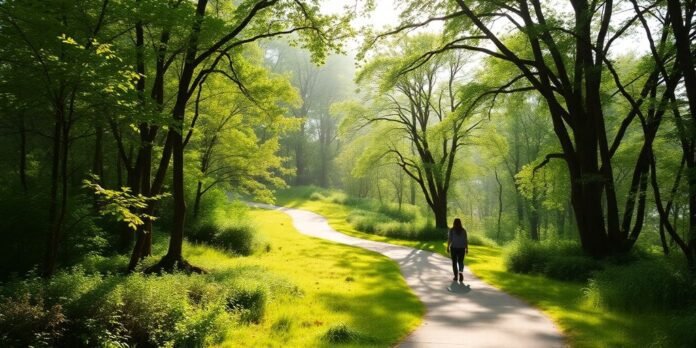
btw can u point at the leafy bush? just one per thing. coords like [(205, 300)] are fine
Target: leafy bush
[(250, 303), (341, 333), (681, 332), (203, 232), (231, 229), (646, 285), (26, 322), (75, 308), (561, 260), (384, 225), (240, 237)]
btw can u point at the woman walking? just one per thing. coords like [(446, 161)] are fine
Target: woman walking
[(457, 247)]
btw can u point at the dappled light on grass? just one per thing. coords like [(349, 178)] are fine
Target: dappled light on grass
[(334, 285), (584, 324)]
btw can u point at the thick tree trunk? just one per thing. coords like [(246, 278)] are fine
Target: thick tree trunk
[(586, 198), (440, 210)]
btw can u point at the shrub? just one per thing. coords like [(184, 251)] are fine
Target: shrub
[(383, 225), (282, 325), (250, 303), (238, 237), (203, 232), (316, 196), (681, 331), (645, 285), (78, 309), (561, 260), (25, 322), (341, 333), (570, 267)]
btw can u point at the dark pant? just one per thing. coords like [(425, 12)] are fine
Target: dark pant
[(457, 255)]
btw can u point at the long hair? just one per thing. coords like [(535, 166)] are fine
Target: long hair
[(457, 226)]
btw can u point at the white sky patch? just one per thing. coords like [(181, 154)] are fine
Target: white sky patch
[(386, 16)]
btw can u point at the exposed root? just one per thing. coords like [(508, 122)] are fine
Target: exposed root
[(170, 264)]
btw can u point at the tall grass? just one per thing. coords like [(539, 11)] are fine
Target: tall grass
[(370, 216), (648, 285), (562, 260)]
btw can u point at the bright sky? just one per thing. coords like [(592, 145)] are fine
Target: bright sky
[(386, 14)]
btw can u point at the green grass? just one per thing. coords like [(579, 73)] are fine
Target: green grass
[(359, 291), (583, 324)]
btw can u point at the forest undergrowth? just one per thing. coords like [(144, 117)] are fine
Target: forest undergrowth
[(265, 285)]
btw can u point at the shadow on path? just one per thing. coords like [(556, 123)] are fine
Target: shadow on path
[(475, 315)]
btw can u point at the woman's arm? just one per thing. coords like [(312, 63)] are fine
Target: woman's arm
[(466, 242)]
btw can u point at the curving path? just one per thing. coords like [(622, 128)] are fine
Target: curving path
[(456, 316)]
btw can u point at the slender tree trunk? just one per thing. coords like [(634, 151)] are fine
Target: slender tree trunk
[(23, 155), (534, 223), (174, 257), (197, 202), (301, 178), (500, 205), (663, 238), (54, 211), (98, 159)]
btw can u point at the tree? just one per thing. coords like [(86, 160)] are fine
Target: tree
[(427, 106), (236, 138), (66, 50), (313, 145), (566, 63), (206, 55)]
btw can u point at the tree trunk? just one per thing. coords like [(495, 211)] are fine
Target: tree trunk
[(55, 209), (197, 202), (23, 155), (586, 198), (174, 258), (98, 159), (500, 205), (691, 236), (300, 156), (534, 223), (440, 210)]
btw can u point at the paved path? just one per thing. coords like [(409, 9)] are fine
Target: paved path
[(475, 316)]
